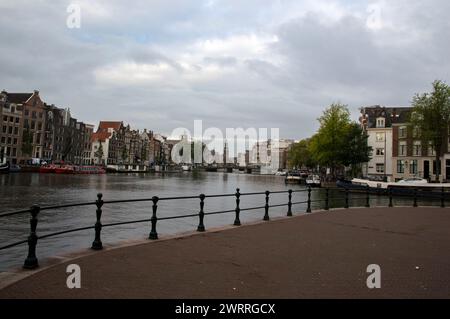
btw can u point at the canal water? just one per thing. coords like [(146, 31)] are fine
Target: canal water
[(19, 191)]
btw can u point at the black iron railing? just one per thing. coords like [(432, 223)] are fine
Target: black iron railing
[(31, 260)]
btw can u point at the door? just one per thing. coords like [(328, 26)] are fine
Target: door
[(426, 169), (447, 170)]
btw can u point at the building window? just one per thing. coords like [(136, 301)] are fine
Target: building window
[(39, 126), (436, 166), (416, 132), (9, 140), (16, 131), (431, 150), (402, 149), (15, 141), (380, 122), (10, 130), (417, 149), (27, 112), (3, 139), (33, 125), (17, 120), (380, 137), (11, 119), (380, 168), (380, 152), (5, 118), (14, 152), (4, 128), (413, 167), (400, 166), (402, 131)]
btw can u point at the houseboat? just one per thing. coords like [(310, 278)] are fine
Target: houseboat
[(125, 168), (404, 187), (84, 170)]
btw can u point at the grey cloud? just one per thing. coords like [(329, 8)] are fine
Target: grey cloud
[(321, 63)]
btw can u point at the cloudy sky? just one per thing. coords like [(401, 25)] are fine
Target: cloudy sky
[(161, 64)]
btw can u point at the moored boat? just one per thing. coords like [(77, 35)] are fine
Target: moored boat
[(313, 181), (4, 168), (89, 170), (15, 169), (403, 187), (84, 170), (48, 168)]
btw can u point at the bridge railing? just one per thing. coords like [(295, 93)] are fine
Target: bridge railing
[(31, 261)]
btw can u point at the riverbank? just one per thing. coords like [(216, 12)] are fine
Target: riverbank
[(322, 255)]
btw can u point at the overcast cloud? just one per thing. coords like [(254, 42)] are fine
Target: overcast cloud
[(161, 64)]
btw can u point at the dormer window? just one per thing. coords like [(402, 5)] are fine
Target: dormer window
[(381, 123)]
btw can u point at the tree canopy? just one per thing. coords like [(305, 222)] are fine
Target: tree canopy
[(300, 156), (431, 116), (339, 142)]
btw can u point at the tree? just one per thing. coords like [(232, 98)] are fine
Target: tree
[(300, 156), (431, 116), (339, 141), (99, 153), (355, 148), (326, 146)]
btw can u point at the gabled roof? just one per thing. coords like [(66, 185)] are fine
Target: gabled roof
[(18, 98), (105, 125), (100, 136), (393, 115)]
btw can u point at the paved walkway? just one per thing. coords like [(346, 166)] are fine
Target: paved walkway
[(322, 255)]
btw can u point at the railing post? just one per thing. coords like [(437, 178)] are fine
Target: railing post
[(266, 208), (97, 243), (443, 197), (415, 197), (201, 214), (308, 209), (153, 234), (367, 196), (327, 199), (346, 198), (391, 204), (237, 221), (32, 262), (289, 213)]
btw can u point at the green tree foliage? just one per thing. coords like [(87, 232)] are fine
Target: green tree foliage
[(355, 149), (326, 146), (300, 156), (431, 116), (339, 142)]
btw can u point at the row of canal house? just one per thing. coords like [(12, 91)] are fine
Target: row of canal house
[(398, 151), (32, 131), (116, 144)]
